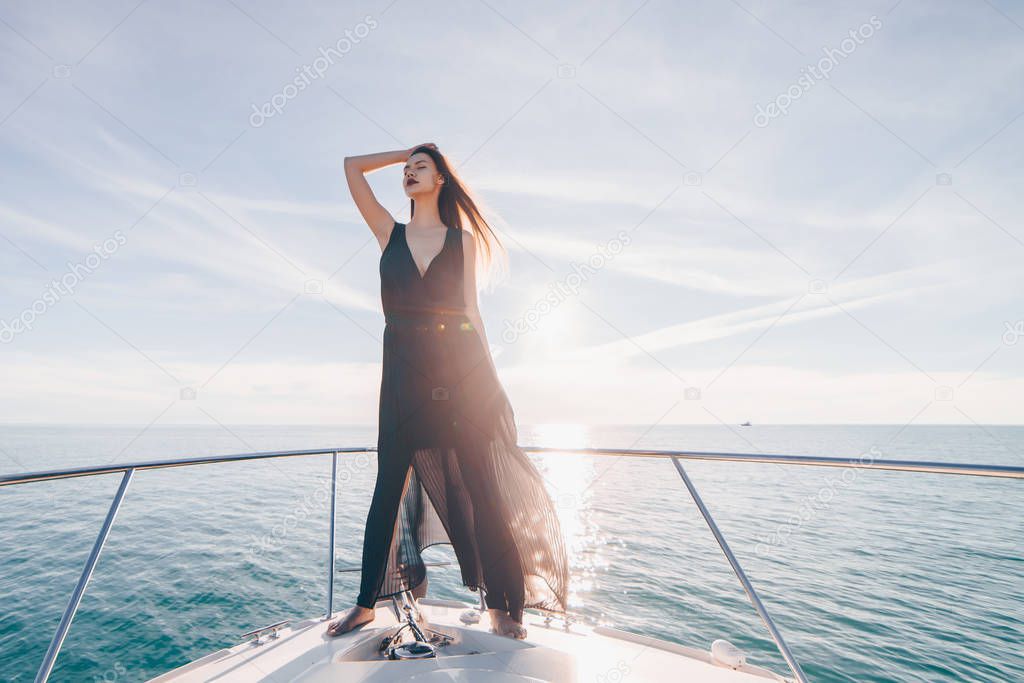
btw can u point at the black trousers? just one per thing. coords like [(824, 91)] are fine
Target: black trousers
[(477, 527)]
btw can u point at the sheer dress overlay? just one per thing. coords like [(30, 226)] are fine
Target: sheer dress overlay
[(449, 469)]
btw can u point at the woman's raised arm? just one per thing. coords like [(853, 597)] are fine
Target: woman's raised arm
[(376, 216)]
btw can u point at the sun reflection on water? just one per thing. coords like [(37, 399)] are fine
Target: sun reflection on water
[(568, 478)]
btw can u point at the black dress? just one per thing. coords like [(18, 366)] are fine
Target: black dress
[(449, 469)]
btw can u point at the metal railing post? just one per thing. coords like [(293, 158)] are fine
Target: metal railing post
[(330, 556), (742, 576), (76, 598), (128, 470)]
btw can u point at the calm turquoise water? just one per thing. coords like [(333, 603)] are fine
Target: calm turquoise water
[(872, 576)]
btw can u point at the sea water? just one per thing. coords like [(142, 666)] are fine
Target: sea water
[(869, 575)]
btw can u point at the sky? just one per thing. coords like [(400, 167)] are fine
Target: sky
[(714, 212)]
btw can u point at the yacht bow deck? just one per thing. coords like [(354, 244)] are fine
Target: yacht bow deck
[(303, 653)]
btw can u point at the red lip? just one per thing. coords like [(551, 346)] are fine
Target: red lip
[(411, 181)]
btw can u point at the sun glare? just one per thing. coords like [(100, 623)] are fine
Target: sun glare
[(568, 478)]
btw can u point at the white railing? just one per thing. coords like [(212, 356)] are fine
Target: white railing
[(128, 471)]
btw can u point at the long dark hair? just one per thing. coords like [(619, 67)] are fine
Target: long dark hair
[(459, 210)]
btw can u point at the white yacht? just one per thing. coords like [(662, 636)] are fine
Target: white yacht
[(428, 640), (442, 640)]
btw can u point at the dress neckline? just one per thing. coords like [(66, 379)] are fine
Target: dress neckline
[(412, 259)]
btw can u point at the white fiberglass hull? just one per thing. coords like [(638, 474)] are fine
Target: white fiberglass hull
[(304, 653)]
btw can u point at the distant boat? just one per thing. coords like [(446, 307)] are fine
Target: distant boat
[(450, 640), (745, 424)]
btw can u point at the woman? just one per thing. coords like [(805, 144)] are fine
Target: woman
[(448, 467)]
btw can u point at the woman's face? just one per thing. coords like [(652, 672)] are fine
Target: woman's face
[(420, 175)]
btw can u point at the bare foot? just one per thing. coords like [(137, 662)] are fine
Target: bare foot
[(357, 616), (503, 624)]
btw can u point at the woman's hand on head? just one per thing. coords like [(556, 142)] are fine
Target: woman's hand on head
[(431, 145)]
